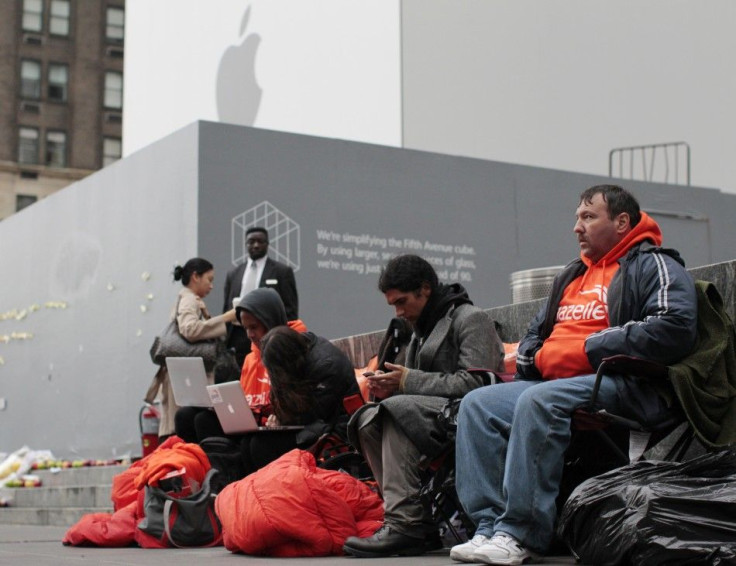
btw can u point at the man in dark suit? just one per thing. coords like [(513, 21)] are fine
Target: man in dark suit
[(258, 271)]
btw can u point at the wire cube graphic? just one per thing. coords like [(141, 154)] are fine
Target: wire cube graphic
[(283, 233)]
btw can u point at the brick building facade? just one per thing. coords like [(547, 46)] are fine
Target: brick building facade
[(61, 94)]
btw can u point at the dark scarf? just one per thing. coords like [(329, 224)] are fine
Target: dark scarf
[(439, 302)]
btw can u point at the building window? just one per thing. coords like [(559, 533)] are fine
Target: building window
[(59, 17), (56, 149), (115, 29), (58, 82), (32, 15), (28, 146), (22, 201), (112, 149), (30, 79), (113, 89)]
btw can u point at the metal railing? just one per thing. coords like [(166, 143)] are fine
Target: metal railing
[(655, 161)]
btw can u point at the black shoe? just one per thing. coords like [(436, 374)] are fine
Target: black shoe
[(389, 542), (432, 542)]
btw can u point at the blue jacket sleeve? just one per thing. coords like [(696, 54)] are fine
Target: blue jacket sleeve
[(530, 345), (665, 329)]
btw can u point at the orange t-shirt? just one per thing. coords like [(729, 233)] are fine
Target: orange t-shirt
[(254, 378), (583, 308)]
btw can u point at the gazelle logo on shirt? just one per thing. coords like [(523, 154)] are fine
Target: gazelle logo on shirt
[(258, 399), (595, 309)]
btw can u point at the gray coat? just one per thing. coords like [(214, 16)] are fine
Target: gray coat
[(464, 338)]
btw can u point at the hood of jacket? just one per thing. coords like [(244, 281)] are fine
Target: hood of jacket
[(266, 305), (646, 230), (439, 302)]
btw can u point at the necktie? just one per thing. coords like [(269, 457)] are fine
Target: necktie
[(250, 282)]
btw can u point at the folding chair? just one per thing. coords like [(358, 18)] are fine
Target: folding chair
[(332, 452), (438, 492), (602, 441), (641, 435)]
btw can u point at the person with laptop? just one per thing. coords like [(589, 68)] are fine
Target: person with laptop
[(259, 311), (310, 379), (195, 324), (313, 386)]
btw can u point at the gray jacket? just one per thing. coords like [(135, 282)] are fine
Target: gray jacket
[(438, 370)]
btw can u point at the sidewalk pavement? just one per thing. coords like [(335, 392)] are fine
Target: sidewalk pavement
[(41, 546)]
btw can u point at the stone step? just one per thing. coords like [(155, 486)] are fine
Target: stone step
[(65, 496), (57, 517), (61, 496), (86, 475)]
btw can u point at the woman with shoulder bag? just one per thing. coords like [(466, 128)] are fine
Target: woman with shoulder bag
[(195, 324)]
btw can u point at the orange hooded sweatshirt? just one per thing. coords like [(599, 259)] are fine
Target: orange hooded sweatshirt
[(583, 309), (254, 377)]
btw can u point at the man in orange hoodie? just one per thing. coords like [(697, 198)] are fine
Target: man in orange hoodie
[(624, 295)]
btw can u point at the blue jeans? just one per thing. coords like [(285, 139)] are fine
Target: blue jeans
[(511, 440)]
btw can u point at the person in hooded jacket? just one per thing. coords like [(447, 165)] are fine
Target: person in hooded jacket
[(258, 312), (310, 379), (301, 380), (401, 434), (625, 295)]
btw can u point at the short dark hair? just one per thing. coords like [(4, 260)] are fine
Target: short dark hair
[(196, 265), (407, 273), (617, 199), (256, 229)]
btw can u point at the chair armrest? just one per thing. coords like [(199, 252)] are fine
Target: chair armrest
[(631, 365), (352, 403), (626, 365), (488, 375)]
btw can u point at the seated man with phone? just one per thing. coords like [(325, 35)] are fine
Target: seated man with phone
[(401, 433)]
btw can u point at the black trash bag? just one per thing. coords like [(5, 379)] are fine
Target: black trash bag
[(656, 513)]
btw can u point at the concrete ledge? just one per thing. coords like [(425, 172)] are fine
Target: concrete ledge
[(512, 321), (723, 276), (361, 347)]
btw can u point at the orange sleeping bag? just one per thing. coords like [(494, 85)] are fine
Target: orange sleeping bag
[(292, 508)]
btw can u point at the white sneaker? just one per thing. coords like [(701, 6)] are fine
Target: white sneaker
[(504, 549), (464, 552)]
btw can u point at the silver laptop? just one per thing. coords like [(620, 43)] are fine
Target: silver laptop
[(188, 381), (233, 411)]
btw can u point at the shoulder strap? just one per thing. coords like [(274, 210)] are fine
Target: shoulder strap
[(176, 312), (204, 492), (167, 527)]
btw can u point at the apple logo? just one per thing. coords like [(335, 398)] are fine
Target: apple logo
[(237, 91)]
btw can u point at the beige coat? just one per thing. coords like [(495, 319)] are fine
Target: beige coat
[(195, 323)]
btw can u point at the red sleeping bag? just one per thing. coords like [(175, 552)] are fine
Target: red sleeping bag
[(120, 528), (293, 508)]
